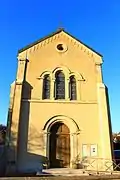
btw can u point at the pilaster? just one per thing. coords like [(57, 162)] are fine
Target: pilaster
[(67, 89), (99, 73), (41, 88), (105, 150), (52, 97), (78, 89), (13, 144)]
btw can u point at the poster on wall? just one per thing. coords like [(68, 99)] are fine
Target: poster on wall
[(93, 150), (85, 150)]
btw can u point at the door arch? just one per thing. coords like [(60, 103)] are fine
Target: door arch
[(59, 145)]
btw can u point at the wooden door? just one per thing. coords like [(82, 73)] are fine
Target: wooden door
[(59, 146)]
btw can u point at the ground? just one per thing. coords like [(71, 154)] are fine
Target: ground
[(117, 177)]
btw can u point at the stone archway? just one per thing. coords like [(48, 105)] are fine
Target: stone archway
[(73, 129), (59, 146)]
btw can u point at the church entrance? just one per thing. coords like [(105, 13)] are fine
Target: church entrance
[(59, 150)]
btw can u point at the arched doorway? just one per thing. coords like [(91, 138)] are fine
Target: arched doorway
[(59, 149)]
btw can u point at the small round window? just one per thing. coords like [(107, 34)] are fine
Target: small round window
[(61, 47)]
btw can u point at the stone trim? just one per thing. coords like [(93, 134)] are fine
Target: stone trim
[(74, 132), (58, 101), (67, 72)]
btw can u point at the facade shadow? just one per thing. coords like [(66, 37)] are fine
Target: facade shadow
[(109, 120), (29, 139), (29, 142)]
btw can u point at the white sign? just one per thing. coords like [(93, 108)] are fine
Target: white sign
[(93, 150), (85, 150)]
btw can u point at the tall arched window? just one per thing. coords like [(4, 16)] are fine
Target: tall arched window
[(72, 88), (46, 87), (60, 85)]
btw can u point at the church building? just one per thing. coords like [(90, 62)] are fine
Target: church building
[(58, 112)]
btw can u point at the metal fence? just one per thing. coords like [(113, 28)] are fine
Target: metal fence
[(97, 165), (100, 164)]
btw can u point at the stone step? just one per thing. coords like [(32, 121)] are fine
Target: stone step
[(63, 172), (67, 170)]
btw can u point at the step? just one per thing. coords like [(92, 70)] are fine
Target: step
[(63, 172)]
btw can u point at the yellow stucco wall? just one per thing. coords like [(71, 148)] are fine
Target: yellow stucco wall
[(89, 111)]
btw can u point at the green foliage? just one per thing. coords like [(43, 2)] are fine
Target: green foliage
[(2, 134)]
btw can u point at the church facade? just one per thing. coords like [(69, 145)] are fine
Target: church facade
[(58, 111)]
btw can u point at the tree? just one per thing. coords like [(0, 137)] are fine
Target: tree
[(116, 141), (2, 134)]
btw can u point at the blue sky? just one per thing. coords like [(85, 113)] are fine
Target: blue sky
[(96, 23)]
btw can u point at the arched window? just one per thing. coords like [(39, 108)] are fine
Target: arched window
[(72, 88), (46, 87), (60, 85)]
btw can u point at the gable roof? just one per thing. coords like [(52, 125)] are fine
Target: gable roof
[(52, 34)]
